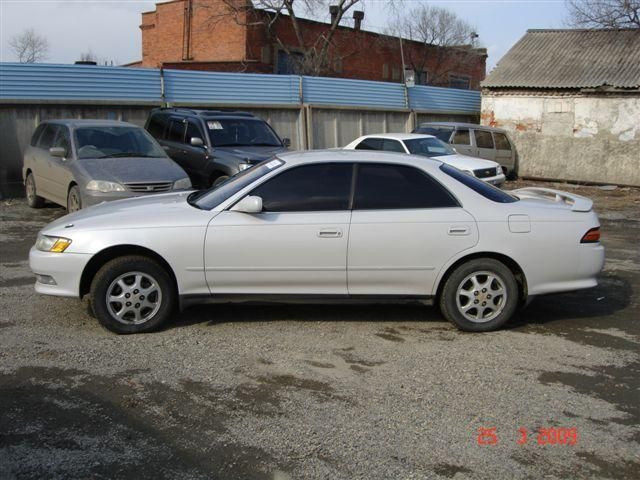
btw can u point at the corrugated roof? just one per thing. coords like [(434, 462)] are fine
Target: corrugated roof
[(570, 59)]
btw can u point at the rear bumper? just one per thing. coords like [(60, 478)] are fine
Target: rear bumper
[(65, 269), (583, 275)]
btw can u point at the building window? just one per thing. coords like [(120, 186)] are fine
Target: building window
[(422, 78), (385, 71), (459, 81), (289, 63), (395, 74)]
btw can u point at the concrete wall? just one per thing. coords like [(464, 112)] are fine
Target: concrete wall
[(581, 137), (307, 127)]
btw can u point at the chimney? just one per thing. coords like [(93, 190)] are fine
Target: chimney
[(358, 16), (333, 10)]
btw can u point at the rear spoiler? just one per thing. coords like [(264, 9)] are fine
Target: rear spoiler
[(578, 203)]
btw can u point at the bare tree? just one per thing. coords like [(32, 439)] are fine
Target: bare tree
[(29, 47), (310, 53), (88, 56), (604, 13), (446, 40)]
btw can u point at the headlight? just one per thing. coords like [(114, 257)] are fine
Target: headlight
[(244, 166), (46, 243), (498, 170), (182, 184), (104, 187)]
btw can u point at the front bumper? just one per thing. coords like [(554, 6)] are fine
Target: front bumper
[(65, 268), (496, 180)]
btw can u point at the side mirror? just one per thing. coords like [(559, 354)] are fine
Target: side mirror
[(58, 152), (286, 142), (197, 142), (249, 204)]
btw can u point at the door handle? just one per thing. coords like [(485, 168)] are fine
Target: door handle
[(458, 230), (330, 233)]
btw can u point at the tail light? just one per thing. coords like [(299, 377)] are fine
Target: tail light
[(592, 236)]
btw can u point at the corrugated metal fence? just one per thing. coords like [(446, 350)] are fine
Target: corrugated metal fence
[(313, 112), (24, 82)]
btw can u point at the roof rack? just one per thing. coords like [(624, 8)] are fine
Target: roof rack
[(207, 113)]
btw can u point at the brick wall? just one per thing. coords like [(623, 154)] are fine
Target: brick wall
[(220, 43)]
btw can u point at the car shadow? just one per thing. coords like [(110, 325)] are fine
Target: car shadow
[(594, 308)]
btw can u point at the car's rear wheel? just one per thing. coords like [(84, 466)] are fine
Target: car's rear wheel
[(74, 200), (33, 200), (133, 294), (480, 295)]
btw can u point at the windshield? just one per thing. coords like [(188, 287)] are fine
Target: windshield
[(443, 133), (483, 188), (113, 142), (246, 132), (429, 147), (214, 196)]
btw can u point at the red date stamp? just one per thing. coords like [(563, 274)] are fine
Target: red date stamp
[(488, 436)]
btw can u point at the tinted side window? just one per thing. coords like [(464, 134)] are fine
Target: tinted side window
[(392, 146), (502, 142), (193, 131), (36, 134), (157, 124), (309, 188), (380, 186), (483, 139), (461, 137), (47, 137), (63, 140), (176, 131), (370, 144)]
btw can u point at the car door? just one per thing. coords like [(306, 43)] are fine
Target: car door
[(43, 170), (484, 144), (195, 157), (404, 227), (174, 143), (462, 142), (59, 167), (504, 152), (296, 245)]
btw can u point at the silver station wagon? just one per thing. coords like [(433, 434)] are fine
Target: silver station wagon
[(79, 163)]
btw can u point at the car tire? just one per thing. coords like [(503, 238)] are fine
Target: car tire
[(218, 180), (480, 295), (74, 200), (133, 294), (33, 199)]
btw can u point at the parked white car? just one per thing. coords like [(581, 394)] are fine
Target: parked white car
[(430, 146), (324, 225)]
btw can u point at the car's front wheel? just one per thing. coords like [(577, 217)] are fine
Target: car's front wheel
[(33, 199), (480, 295), (133, 294), (74, 200)]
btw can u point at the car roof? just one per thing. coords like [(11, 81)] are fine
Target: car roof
[(205, 113), (397, 136), (86, 122), (369, 156), (460, 124)]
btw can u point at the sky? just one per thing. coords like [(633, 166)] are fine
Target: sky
[(109, 28)]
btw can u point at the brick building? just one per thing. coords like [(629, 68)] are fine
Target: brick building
[(198, 35)]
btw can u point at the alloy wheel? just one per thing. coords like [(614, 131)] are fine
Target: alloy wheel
[(481, 296), (134, 298)]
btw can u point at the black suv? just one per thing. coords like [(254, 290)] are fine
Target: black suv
[(212, 145)]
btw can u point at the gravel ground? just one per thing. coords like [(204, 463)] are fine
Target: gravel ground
[(282, 392)]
